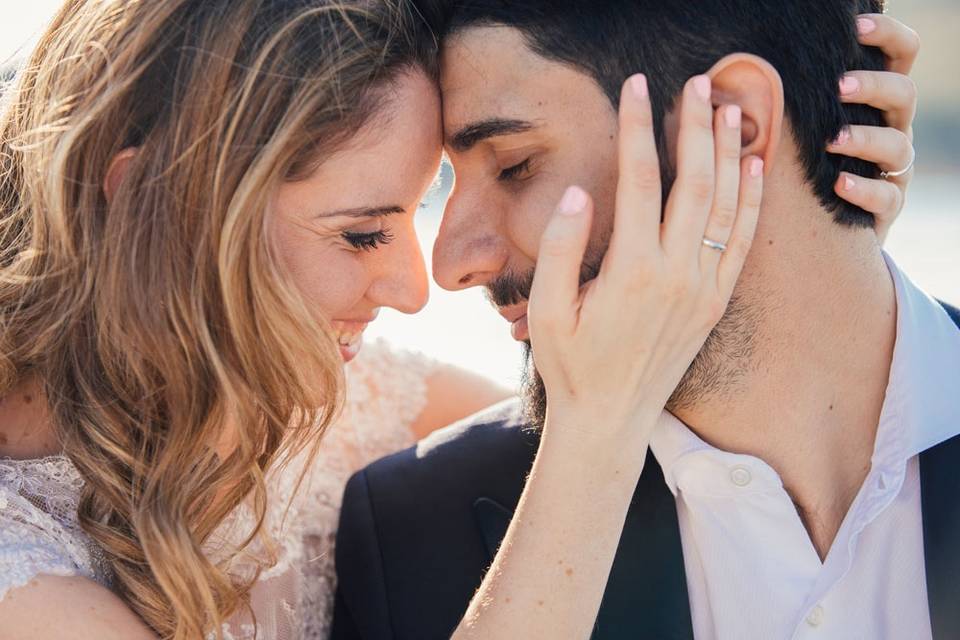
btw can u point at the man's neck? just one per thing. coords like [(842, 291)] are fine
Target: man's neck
[(810, 401)]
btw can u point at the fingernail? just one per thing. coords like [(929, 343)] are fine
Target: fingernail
[(702, 86), (573, 201), (849, 85), (638, 84), (842, 138), (733, 116), (848, 183), (865, 26), (756, 167)]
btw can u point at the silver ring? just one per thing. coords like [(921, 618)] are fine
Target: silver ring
[(886, 175), (712, 244)]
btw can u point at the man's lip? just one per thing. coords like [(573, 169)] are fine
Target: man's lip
[(520, 329), (513, 312), (516, 315)]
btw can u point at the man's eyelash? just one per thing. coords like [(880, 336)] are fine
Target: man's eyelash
[(368, 241), (514, 172)]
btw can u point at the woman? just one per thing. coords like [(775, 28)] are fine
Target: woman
[(204, 203)]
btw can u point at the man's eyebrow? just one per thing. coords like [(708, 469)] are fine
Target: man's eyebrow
[(472, 134), (363, 212)]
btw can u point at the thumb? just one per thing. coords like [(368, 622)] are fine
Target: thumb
[(555, 294)]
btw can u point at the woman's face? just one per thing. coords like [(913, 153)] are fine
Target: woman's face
[(346, 233)]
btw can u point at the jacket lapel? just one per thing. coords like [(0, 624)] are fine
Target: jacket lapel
[(646, 595), (940, 492)]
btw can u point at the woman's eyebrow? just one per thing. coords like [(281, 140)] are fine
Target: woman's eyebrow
[(363, 212)]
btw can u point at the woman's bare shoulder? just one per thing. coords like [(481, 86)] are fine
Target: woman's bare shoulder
[(54, 607)]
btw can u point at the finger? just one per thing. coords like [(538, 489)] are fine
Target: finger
[(556, 284), (890, 149), (893, 93), (899, 43), (745, 226), (727, 191), (880, 197), (691, 198), (636, 228)]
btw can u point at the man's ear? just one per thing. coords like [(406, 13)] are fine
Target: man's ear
[(117, 171), (752, 83)]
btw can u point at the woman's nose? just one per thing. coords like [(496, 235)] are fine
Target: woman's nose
[(402, 283)]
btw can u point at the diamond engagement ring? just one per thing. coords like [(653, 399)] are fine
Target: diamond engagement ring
[(886, 175), (716, 246)]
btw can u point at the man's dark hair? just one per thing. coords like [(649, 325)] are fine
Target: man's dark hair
[(811, 43)]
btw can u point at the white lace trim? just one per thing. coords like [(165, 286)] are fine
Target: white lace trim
[(293, 598)]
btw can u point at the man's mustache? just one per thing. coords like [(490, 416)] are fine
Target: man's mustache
[(513, 288)]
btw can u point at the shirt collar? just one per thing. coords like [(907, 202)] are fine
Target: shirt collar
[(923, 393), (920, 410)]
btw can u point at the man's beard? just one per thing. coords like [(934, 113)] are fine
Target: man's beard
[(717, 369)]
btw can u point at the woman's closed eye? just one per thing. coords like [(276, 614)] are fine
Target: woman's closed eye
[(368, 241)]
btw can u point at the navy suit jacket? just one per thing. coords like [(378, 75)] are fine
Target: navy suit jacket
[(419, 528)]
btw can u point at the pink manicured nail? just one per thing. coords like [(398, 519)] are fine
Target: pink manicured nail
[(733, 116), (639, 85), (866, 26), (842, 138), (848, 183), (702, 86), (573, 201), (756, 167), (849, 85)]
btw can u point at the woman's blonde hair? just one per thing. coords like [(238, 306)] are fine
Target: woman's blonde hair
[(157, 318)]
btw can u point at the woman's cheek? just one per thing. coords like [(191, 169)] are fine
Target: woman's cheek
[(334, 282)]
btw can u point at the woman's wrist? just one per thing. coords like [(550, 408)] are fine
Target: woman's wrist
[(599, 436)]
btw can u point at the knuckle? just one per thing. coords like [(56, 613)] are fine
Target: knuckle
[(913, 41), (701, 186), (553, 245), (910, 89), (730, 152), (714, 310), (646, 177), (725, 213), (680, 286)]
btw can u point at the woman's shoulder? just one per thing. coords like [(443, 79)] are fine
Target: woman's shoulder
[(39, 533)]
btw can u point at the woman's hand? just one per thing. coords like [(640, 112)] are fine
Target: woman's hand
[(617, 347), (890, 147), (611, 352)]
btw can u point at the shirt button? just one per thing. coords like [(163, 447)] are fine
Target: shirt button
[(740, 476), (815, 619)]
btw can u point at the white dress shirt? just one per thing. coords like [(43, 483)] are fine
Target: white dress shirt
[(752, 571)]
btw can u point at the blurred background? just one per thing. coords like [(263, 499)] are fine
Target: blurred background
[(461, 328)]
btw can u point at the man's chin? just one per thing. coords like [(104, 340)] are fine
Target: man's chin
[(718, 369), (533, 391)]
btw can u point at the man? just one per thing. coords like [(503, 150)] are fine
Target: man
[(801, 484)]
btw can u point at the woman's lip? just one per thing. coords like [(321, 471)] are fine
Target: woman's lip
[(349, 352), (520, 330)]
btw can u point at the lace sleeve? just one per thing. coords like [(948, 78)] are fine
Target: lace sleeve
[(29, 544)]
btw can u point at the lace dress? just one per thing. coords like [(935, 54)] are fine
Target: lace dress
[(293, 597)]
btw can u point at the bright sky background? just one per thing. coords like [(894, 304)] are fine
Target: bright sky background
[(462, 329)]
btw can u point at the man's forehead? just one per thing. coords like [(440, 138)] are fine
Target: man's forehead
[(490, 71)]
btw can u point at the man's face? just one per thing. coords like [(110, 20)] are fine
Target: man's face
[(519, 129)]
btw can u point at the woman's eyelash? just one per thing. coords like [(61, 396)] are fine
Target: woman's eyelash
[(514, 172), (368, 241)]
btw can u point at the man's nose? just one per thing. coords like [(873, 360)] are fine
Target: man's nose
[(469, 251), (402, 283)]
